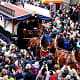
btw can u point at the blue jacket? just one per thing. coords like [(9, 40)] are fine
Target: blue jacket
[(47, 38)]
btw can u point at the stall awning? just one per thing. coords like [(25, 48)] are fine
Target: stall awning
[(37, 10), (53, 1), (41, 17)]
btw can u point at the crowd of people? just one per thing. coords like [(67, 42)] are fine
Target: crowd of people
[(58, 63), (18, 64)]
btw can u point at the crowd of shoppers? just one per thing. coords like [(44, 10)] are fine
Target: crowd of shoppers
[(18, 64)]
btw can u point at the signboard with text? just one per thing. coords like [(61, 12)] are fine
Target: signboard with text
[(7, 10)]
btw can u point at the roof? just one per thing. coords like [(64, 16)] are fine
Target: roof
[(37, 10), (18, 11), (11, 10)]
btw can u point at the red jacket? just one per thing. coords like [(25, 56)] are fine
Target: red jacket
[(53, 77)]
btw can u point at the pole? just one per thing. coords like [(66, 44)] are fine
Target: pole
[(13, 26), (4, 23)]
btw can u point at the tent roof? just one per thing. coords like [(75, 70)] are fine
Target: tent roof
[(11, 11), (37, 10)]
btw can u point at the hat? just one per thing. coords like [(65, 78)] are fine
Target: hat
[(51, 71), (68, 77), (28, 66), (57, 66), (6, 66), (4, 71), (16, 63), (36, 65), (12, 46), (7, 54), (78, 44)]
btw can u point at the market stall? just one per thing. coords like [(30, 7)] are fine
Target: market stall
[(13, 14)]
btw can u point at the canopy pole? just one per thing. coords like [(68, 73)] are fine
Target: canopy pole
[(13, 25), (4, 23), (14, 22)]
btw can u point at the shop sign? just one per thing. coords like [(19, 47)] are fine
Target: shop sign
[(7, 10)]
